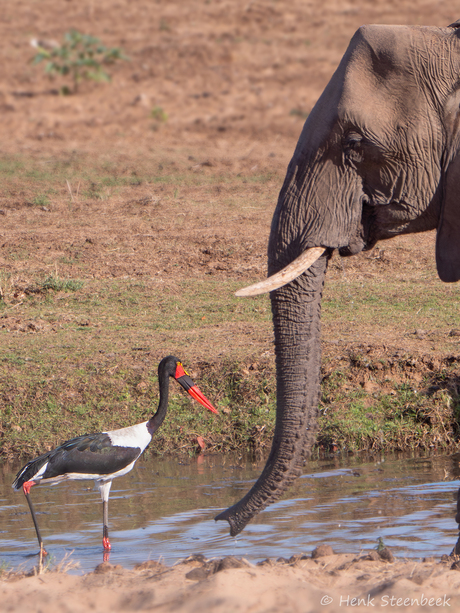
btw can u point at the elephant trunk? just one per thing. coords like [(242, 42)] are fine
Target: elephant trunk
[(296, 316)]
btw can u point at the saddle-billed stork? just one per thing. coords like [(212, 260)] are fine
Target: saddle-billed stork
[(105, 455)]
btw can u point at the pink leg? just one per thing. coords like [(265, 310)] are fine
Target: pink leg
[(105, 539), (104, 488)]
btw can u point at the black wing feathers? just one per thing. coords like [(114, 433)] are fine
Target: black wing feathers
[(88, 454), (29, 470)]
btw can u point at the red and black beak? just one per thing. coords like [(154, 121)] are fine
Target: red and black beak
[(182, 377)]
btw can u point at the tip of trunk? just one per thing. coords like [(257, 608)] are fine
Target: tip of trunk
[(265, 491), (236, 522)]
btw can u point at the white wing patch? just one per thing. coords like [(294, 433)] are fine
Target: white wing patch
[(40, 473), (132, 436)]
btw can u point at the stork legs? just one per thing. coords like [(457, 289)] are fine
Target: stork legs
[(104, 488), (26, 489)]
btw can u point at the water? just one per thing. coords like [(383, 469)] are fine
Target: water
[(163, 510)]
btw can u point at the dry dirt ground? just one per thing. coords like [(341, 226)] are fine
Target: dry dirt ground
[(235, 78), (299, 585)]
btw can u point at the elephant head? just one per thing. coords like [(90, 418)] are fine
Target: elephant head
[(379, 155)]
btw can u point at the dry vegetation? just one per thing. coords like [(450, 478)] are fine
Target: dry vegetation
[(132, 210)]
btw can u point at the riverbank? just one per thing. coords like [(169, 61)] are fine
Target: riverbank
[(301, 584), (374, 399)]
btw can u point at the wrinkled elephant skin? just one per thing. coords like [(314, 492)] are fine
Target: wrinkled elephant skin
[(379, 156)]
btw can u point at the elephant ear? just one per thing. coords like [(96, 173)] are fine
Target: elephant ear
[(448, 234)]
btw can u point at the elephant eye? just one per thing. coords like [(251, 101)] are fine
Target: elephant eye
[(353, 148), (352, 141)]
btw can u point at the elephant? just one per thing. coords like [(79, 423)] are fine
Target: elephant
[(378, 156)]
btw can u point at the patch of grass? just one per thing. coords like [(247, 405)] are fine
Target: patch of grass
[(41, 200), (148, 265), (101, 179), (5, 568), (49, 406), (55, 284), (395, 416), (51, 409), (158, 114), (394, 305)]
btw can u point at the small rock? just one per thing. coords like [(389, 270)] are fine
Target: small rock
[(197, 574), (419, 579), (386, 555), (142, 100), (106, 567), (196, 557), (150, 565), (44, 43), (373, 555), (321, 551), (201, 444), (229, 562), (454, 332), (266, 562), (297, 557)]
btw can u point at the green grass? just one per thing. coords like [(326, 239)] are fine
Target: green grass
[(352, 301), (393, 308), (52, 407), (93, 366), (55, 284), (94, 175), (115, 276), (422, 413), (41, 200)]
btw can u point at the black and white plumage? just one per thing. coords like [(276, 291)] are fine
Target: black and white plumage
[(105, 455)]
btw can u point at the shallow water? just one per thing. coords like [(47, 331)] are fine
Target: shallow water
[(164, 509)]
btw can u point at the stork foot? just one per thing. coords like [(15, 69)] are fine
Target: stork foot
[(41, 556), (106, 543)]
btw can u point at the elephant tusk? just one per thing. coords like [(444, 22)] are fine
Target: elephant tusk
[(284, 276)]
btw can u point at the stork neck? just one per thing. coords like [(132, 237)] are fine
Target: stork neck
[(156, 420)]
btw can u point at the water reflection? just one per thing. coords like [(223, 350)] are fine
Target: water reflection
[(164, 509)]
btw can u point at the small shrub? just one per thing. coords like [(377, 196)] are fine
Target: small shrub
[(81, 57), (159, 114)]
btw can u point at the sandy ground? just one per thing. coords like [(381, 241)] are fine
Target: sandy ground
[(235, 79), (299, 585)]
